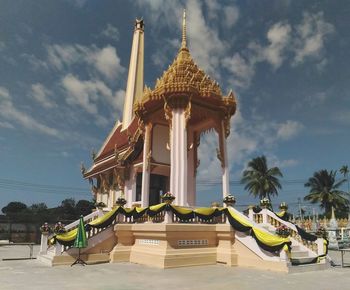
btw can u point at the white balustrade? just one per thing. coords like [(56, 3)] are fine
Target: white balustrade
[(43, 243)]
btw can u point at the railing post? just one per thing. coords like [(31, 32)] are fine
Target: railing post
[(227, 220), (264, 215), (250, 213), (43, 243), (168, 217), (284, 255), (58, 249), (99, 212), (119, 218), (320, 248)]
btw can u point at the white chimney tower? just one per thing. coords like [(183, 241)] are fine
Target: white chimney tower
[(134, 86)]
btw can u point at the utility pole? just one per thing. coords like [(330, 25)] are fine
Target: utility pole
[(299, 204)]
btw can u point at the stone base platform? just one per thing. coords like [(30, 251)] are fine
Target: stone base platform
[(183, 245)]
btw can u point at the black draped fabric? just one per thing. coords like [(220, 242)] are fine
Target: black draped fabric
[(257, 209), (182, 216), (285, 216), (236, 224), (305, 235), (271, 249), (153, 212)]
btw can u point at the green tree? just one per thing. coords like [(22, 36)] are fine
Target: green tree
[(324, 189), (345, 171), (66, 212), (84, 207), (14, 207), (39, 212), (260, 180), (16, 211)]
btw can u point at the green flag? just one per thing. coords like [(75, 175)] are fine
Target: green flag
[(80, 240)]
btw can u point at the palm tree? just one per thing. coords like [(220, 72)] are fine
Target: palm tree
[(260, 180), (345, 171), (324, 189)]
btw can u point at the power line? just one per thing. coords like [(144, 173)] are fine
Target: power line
[(17, 185), (30, 184)]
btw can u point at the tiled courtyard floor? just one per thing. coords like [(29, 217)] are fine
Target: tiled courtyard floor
[(31, 274)]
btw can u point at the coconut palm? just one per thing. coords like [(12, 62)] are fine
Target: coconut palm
[(260, 180), (345, 171), (324, 189)]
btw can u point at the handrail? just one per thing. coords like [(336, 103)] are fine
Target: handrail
[(266, 216)]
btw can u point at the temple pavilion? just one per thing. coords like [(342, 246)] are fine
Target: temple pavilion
[(155, 147)]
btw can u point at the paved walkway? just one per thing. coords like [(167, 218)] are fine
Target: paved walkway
[(31, 274)]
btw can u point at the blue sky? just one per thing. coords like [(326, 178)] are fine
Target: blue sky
[(63, 67)]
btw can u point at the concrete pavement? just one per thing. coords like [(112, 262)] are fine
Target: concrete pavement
[(31, 274)]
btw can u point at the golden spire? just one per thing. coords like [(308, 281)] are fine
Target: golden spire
[(184, 43)]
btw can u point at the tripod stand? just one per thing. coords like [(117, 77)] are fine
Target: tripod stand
[(78, 260)]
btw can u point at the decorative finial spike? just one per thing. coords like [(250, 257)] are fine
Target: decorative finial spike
[(183, 43)]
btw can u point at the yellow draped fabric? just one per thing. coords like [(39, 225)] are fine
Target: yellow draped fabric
[(68, 236), (205, 210), (139, 209), (128, 210), (269, 239), (281, 213), (156, 207), (182, 210), (103, 218), (239, 218)]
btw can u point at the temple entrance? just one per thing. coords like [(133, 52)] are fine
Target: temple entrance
[(158, 184)]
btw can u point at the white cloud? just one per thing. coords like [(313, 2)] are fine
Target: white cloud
[(9, 112), (40, 94), (104, 60), (342, 117), (311, 35), (78, 3), (247, 138), (161, 57), (301, 41), (35, 63), (242, 70), (111, 32), (288, 129), (278, 36), (6, 125), (204, 42), (231, 15), (162, 12), (2, 45), (242, 65), (203, 37), (83, 93), (87, 95), (273, 161)]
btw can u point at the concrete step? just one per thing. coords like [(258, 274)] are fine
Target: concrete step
[(296, 247), (298, 254), (308, 268), (302, 260), (45, 259)]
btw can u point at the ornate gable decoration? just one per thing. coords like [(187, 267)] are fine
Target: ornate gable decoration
[(184, 76)]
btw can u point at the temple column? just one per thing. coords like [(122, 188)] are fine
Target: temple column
[(224, 161), (191, 178), (178, 156), (146, 166), (130, 187)]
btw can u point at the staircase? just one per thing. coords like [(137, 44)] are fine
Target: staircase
[(112, 242), (101, 242), (304, 254)]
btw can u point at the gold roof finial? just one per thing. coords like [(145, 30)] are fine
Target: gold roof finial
[(183, 43)]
